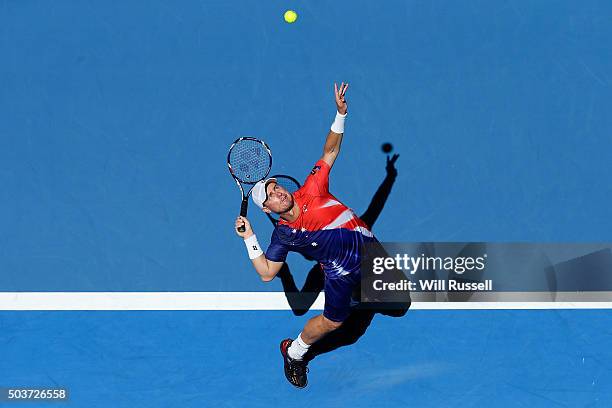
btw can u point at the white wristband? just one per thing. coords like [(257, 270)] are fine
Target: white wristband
[(253, 247), (338, 125)]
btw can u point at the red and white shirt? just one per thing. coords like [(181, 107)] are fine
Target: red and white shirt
[(326, 230)]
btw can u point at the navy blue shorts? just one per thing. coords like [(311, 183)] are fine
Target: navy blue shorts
[(339, 296)]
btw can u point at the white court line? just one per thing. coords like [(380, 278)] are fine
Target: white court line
[(226, 301)]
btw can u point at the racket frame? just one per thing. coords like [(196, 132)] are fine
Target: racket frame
[(245, 197)]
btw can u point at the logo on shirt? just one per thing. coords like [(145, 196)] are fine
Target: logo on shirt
[(315, 169)]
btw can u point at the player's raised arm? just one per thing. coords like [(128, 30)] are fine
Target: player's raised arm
[(266, 269), (334, 137)]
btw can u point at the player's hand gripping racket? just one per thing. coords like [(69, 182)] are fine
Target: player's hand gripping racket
[(288, 183), (249, 161)]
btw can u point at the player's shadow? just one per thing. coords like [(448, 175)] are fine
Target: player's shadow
[(359, 320)]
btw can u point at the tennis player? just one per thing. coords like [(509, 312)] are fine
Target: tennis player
[(316, 224)]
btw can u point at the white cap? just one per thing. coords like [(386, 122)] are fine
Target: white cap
[(259, 193)]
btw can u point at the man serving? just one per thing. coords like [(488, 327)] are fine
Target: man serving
[(316, 224)]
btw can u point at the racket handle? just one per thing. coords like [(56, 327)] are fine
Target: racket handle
[(243, 213)]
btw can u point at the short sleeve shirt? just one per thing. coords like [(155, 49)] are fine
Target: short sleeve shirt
[(326, 229)]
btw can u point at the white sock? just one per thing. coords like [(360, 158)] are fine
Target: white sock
[(298, 348)]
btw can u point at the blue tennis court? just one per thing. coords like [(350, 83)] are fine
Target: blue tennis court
[(115, 122), (426, 359)]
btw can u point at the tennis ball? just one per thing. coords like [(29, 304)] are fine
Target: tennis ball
[(386, 147), (290, 16)]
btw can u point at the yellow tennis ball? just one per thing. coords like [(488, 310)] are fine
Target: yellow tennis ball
[(290, 16)]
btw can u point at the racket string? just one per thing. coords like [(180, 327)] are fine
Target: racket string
[(249, 161)]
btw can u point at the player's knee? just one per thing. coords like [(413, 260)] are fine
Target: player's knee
[(330, 325)]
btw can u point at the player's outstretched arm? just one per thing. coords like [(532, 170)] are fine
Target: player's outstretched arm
[(334, 137), (266, 269)]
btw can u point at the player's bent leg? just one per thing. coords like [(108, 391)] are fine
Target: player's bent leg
[(337, 309)]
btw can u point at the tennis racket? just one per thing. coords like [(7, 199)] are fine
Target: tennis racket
[(288, 183), (249, 161)]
